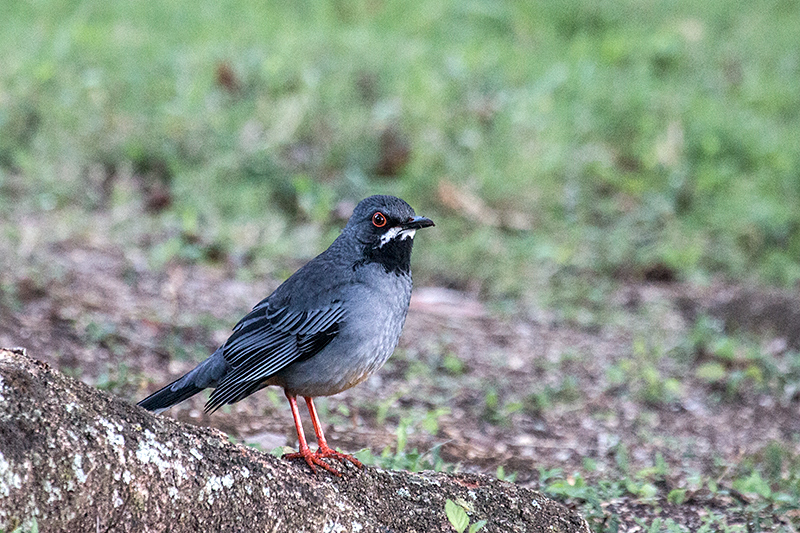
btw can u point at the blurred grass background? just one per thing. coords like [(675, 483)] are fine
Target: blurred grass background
[(560, 146)]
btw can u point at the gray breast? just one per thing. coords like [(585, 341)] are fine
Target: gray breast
[(377, 305)]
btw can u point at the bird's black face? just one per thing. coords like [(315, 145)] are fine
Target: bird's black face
[(386, 226)]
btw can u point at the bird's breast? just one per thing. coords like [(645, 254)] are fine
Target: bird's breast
[(375, 313)]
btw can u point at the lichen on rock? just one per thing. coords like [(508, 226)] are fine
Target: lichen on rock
[(73, 458)]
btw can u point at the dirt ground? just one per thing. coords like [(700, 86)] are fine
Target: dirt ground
[(483, 390)]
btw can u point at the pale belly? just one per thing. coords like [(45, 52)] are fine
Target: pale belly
[(366, 339)]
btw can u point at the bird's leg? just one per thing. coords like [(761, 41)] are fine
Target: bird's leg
[(323, 450), (305, 452)]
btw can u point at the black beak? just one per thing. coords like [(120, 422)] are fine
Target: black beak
[(417, 223)]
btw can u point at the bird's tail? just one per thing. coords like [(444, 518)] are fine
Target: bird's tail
[(163, 399), (206, 374)]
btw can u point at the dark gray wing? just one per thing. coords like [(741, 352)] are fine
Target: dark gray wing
[(267, 340)]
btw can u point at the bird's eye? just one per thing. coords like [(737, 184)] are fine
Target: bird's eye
[(378, 220)]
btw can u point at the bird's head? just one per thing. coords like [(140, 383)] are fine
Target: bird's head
[(385, 227)]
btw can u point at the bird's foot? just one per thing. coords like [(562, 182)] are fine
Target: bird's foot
[(327, 451), (314, 459)]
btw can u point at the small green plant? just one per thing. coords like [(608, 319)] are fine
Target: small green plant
[(402, 459), (105, 334), (753, 484), (496, 410), (642, 376), (383, 408), (677, 496), (732, 366), (502, 476), (430, 421), (658, 526), (29, 527), (412, 461), (566, 391), (459, 519), (279, 451), (453, 365), (120, 379)]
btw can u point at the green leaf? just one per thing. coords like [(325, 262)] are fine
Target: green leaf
[(456, 515), (711, 372), (278, 452), (754, 484), (676, 496), (477, 526)]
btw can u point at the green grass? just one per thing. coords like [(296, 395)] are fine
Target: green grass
[(760, 491), (612, 139), (559, 146)]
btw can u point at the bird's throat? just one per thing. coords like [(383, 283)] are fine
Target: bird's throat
[(393, 255)]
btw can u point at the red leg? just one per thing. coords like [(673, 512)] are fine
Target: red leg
[(323, 450), (305, 452)]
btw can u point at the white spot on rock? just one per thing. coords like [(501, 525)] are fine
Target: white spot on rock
[(112, 436), (216, 483), (53, 493), (77, 466), (154, 452), (8, 478), (333, 527)]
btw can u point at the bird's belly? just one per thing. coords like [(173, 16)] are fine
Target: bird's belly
[(363, 345), (337, 367)]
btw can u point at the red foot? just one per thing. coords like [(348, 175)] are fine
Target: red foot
[(314, 459)]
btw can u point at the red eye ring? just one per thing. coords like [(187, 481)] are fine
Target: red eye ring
[(378, 220)]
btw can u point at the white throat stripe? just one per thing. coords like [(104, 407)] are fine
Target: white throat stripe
[(395, 232)]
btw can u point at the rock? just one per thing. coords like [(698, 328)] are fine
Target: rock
[(73, 458)]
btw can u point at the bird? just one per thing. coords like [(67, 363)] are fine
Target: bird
[(326, 328)]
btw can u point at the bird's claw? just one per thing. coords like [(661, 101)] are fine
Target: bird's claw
[(314, 459)]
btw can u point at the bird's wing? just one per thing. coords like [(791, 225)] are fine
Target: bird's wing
[(267, 340)]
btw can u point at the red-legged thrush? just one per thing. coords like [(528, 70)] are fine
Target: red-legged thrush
[(325, 329)]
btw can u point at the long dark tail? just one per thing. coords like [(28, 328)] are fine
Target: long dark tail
[(165, 398), (206, 374)]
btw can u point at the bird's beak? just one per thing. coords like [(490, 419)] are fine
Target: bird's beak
[(417, 223)]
